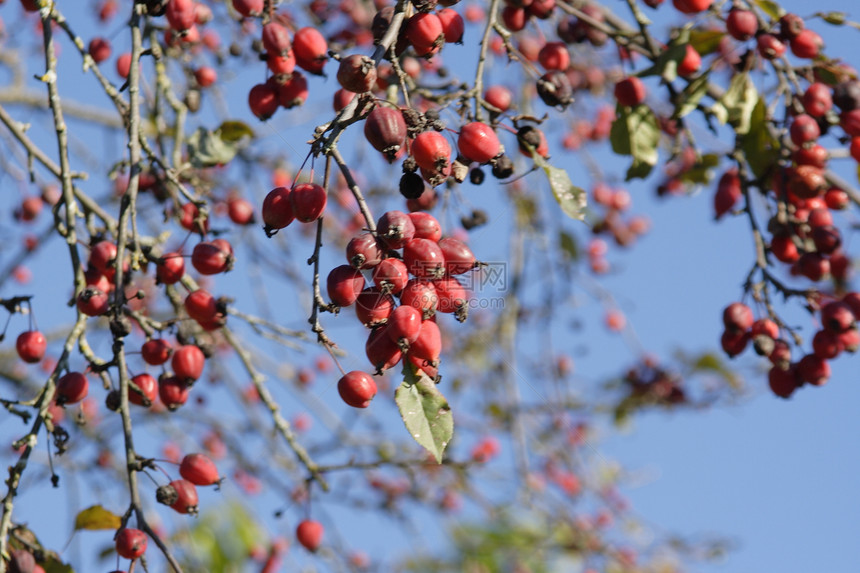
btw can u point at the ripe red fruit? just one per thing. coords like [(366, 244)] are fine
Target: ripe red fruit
[(837, 199), (277, 209), (92, 302), (738, 317), (263, 100), (186, 497), (309, 533), (733, 342), (459, 258), (741, 24), (99, 49), (344, 285), (428, 346), (826, 344), (190, 219), (453, 297), (284, 66), (22, 561), (692, 6), (180, 14), (813, 266), (172, 392), (404, 325), (382, 352), (248, 7), (431, 150), (131, 543), (308, 201), (514, 18), (728, 193), (373, 307), (807, 181), (554, 56), (199, 470), (784, 249), (426, 226), (102, 255), (276, 39), (341, 99), (363, 252), (311, 50), (148, 390), (424, 30), (420, 294), (499, 97), (395, 228), (240, 211), (390, 276), (424, 258), (690, 64), (850, 340), (804, 129), (201, 306), (357, 389), (630, 91), (813, 370), (815, 155), (123, 65), (817, 99), (294, 92), (837, 317), (478, 142), (188, 362), (205, 76), (211, 258), (356, 73), (452, 25), (157, 351), (783, 383), (31, 345), (72, 388), (770, 47), (385, 129), (807, 44), (765, 327)]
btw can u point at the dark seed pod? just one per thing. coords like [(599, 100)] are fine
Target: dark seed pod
[(411, 185), (503, 167), (554, 89), (476, 176)]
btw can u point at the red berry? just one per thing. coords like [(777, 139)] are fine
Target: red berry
[(249, 7), (186, 497), (554, 56), (514, 18), (357, 389), (837, 317), (123, 65), (373, 307), (240, 211), (734, 342), (294, 92), (344, 284), (404, 325), (385, 129), (187, 363), (157, 351), (499, 97), (382, 352), (102, 255), (180, 14), (850, 339), (420, 294), (276, 39), (356, 73), (99, 49), (205, 76), (131, 543), (452, 25), (201, 306), (263, 101), (395, 228), (424, 30), (837, 199), (72, 388), (813, 154), (478, 142), (390, 276), (31, 346), (363, 252), (630, 91), (691, 63), (459, 258), (826, 239), (783, 383), (813, 370), (804, 129), (211, 258), (424, 258), (826, 344), (453, 297), (426, 226), (431, 150), (172, 392), (93, 302), (728, 193), (741, 24), (738, 317), (428, 346), (765, 327), (308, 201), (277, 209), (692, 6), (190, 219), (784, 249), (311, 50), (813, 266), (817, 99), (148, 390), (770, 47), (199, 470), (807, 44), (309, 533), (341, 99)]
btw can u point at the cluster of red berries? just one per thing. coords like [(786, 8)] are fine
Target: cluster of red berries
[(623, 231), (838, 333), (423, 277), (304, 202)]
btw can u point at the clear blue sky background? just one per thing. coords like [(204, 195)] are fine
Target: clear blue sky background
[(778, 477)]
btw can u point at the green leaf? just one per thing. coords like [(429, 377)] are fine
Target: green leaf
[(635, 132), (759, 145), (706, 41), (209, 148), (690, 97), (572, 199), (666, 64), (96, 518), (54, 565), (770, 8), (567, 243), (425, 411), (701, 172), (739, 101), (712, 363), (835, 18), (234, 130)]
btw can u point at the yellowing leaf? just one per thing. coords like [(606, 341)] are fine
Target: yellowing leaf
[(96, 518)]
